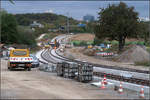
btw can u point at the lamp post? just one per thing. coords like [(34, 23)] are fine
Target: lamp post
[(68, 22)]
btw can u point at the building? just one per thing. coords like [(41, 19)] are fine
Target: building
[(35, 24), (144, 19), (88, 18), (81, 25)]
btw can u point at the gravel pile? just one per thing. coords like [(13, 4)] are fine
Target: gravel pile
[(134, 54)]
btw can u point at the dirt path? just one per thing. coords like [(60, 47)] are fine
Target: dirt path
[(43, 85), (41, 36), (82, 37)]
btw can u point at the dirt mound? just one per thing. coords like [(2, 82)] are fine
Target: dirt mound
[(89, 52), (83, 37), (134, 54)]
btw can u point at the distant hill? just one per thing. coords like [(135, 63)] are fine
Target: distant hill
[(28, 18)]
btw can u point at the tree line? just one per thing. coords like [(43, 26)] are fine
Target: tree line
[(16, 28), (43, 18)]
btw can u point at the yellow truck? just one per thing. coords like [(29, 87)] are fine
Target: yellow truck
[(46, 46), (20, 58)]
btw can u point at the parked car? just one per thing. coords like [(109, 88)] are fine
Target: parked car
[(102, 45), (35, 62), (72, 33)]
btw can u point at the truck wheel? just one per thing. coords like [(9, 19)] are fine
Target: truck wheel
[(10, 68), (29, 69)]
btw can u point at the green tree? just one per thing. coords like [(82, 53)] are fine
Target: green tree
[(26, 36), (12, 33), (117, 22), (145, 31), (9, 32), (11, 1)]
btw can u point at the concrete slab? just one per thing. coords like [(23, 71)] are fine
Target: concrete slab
[(122, 73), (98, 84)]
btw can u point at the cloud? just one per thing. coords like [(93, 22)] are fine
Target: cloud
[(49, 11)]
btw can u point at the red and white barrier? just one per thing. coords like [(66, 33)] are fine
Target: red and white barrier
[(105, 54)]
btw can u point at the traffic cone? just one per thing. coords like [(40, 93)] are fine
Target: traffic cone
[(102, 85), (141, 92), (55, 48), (105, 80), (120, 88)]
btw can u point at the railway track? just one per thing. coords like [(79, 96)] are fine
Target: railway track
[(124, 79), (47, 57), (104, 66), (99, 74)]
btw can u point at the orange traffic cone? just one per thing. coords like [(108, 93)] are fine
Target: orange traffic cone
[(105, 80), (55, 48), (120, 88), (102, 85), (141, 92)]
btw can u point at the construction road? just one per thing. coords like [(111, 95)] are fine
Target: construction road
[(35, 84)]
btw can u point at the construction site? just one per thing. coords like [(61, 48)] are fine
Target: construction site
[(59, 75), (57, 50)]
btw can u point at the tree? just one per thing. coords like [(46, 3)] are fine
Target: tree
[(11, 1), (117, 22), (12, 33), (9, 32), (27, 36), (144, 31)]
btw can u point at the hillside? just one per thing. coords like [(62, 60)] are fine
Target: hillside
[(28, 18)]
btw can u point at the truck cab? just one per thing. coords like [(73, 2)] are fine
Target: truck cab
[(20, 58)]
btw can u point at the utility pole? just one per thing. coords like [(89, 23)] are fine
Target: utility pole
[(68, 22)]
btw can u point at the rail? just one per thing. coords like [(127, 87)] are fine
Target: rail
[(46, 56), (101, 74)]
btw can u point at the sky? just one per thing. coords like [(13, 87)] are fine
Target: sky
[(75, 9)]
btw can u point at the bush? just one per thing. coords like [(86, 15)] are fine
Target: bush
[(148, 49), (26, 37), (135, 43), (143, 63), (83, 43), (147, 43), (39, 31), (76, 43), (114, 42), (79, 43), (140, 43), (97, 41), (90, 43), (107, 42)]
